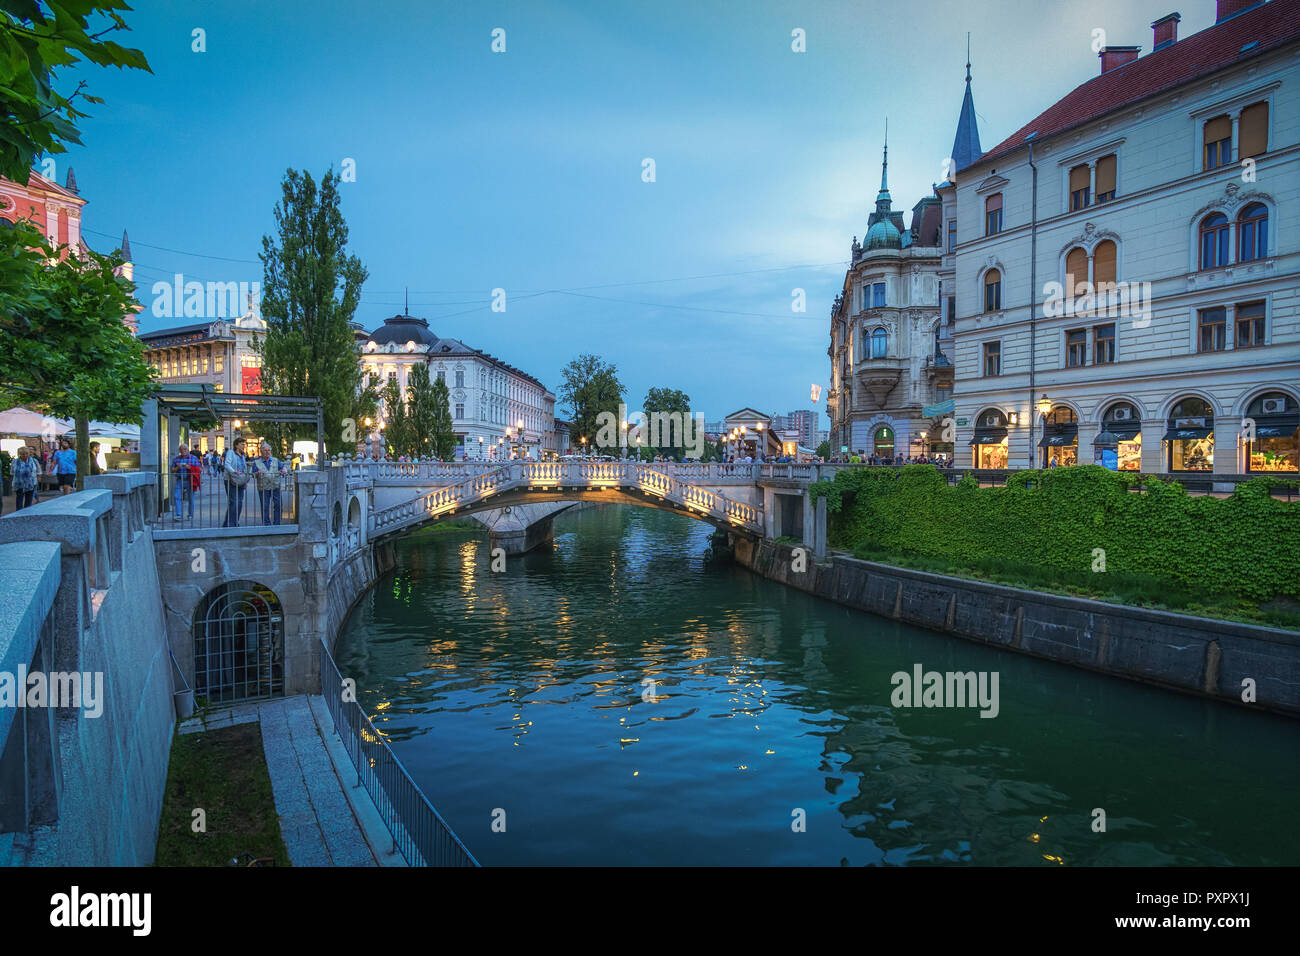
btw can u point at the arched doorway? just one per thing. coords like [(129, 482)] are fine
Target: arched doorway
[(1119, 443), (989, 445), (882, 442), (1272, 433), (238, 643)]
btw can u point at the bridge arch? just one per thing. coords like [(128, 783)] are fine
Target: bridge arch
[(238, 633)]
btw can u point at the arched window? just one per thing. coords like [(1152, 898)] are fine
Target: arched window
[(1190, 436), (1076, 270), (238, 643), (992, 291), (1060, 442), (1103, 266), (1214, 241), (1252, 233), (883, 443), (879, 343), (1272, 433), (1122, 428), (989, 445)]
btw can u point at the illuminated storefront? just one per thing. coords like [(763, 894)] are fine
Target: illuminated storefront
[(1190, 437), (1119, 446), (882, 443), (1060, 442), (1272, 433), (990, 441)]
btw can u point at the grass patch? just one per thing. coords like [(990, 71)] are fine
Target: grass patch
[(224, 773), (1134, 590)]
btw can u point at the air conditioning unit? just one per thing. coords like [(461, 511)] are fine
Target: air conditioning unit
[(991, 420), (1274, 406), (1122, 414)]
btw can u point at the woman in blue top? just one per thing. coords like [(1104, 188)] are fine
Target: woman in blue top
[(65, 466)]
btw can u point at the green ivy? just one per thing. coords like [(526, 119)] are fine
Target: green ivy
[(1244, 544)]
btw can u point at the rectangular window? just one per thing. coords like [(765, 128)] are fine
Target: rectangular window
[(1105, 176), (460, 378), (205, 365), (1103, 344), (460, 409), (1212, 328), (878, 295), (952, 308), (992, 358), (1218, 142), (442, 375), (1252, 131), (1076, 348), (952, 235), (1250, 325), (220, 360), (993, 214), (1080, 187), (942, 393)]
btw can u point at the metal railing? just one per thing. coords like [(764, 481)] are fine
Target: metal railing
[(217, 503), (419, 833)]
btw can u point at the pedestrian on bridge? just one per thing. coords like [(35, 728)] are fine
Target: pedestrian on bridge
[(186, 471), (236, 471), (269, 471)]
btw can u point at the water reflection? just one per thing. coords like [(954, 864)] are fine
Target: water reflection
[(526, 690)]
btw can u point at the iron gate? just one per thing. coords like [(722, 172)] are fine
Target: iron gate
[(238, 644)]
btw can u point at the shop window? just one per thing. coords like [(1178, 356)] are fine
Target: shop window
[(993, 215), (1076, 348), (1103, 266), (1080, 187), (992, 291), (1124, 423), (989, 446), (1218, 142), (1273, 434), (1252, 131), (992, 358), (1252, 233), (1190, 436), (1212, 329), (1214, 241), (1103, 344), (1105, 176), (1250, 325), (1076, 270)]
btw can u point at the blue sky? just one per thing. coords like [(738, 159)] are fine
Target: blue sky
[(522, 170)]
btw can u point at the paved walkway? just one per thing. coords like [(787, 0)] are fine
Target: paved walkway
[(318, 815)]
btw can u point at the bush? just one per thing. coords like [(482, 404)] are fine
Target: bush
[(1052, 522)]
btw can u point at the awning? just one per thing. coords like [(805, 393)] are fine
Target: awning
[(1124, 431), (1277, 426), (1187, 434), (1060, 436), (989, 436)]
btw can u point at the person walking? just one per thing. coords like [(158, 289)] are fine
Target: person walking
[(236, 472), (268, 471), (185, 469), (95, 467), (26, 473), (63, 464)]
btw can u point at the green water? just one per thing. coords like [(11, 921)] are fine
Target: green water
[(517, 698)]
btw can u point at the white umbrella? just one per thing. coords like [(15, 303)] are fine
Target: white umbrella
[(23, 421)]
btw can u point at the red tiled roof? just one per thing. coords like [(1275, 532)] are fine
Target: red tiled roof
[(1273, 24)]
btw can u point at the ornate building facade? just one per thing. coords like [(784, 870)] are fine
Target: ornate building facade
[(889, 364), (497, 410), (1127, 265)]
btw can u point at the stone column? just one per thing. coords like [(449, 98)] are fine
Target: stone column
[(1154, 456)]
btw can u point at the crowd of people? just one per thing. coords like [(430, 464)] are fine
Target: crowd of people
[(237, 471), (57, 465)]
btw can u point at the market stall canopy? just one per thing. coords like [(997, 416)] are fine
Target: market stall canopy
[(24, 421), (107, 430)]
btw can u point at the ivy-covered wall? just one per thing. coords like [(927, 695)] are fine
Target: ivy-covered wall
[(1247, 544)]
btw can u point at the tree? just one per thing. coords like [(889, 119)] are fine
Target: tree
[(824, 450), (310, 291), (67, 351), (672, 401), (397, 429), (37, 41), (443, 432), (590, 386)]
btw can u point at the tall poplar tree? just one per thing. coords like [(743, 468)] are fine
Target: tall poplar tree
[(443, 431), (310, 291)]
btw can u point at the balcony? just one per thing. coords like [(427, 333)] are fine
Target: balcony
[(876, 378)]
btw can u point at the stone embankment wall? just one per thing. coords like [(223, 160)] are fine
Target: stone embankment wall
[(1195, 655)]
